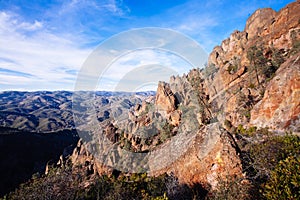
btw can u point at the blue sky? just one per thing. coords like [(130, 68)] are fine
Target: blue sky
[(43, 44)]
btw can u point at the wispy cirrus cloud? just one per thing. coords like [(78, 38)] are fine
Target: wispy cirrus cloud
[(41, 54), (45, 48), (44, 43), (31, 27)]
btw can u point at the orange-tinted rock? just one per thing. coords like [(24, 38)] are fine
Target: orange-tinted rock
[(175, 117), (266, 29), (209, 159), (84, 161), (259, 21), (280, 106), (165, 99), (212, 155)]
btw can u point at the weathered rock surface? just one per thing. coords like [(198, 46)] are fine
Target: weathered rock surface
[(175, 117), (83, 160), (257, 23), (230, 89), (190, 110), (182, 127), (232, 85), (211, 158), (165, 99), (280, 106)]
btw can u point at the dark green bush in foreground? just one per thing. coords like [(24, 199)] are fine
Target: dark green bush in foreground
[(285, 180), (63, 184), (275, 165)]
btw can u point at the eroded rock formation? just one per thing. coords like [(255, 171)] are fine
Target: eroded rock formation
[(165, 99), (279, 108), (251, 79), (240, 68)]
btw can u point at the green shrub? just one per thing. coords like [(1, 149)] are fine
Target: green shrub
[(241, 129), (261, 155), (247, 132), (252, 85), (296, 47), (247, 114), (210, 70), (285, 180), (231, 188), (58, 184), (227, 124), (261, 65), (232, 69), (127, 145), (266, 155), (134, 186), (166, 131), (264, 131)]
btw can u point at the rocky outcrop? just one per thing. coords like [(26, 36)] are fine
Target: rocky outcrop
[(165, 99), (257, 23), (280, 105), (236, 82), (211, 157), (186, 118), (111, 133), (231, 88), (175, 117), (83, 162), (252, 79)]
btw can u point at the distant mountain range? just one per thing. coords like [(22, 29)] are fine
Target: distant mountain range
[(45, 111)]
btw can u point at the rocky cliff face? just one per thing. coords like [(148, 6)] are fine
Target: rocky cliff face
[(211, 157), (279, 108), (243, 67), (251, 79)]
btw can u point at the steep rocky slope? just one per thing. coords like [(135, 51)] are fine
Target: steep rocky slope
[(241, 71), (279, 108), (252, 79), (191, 129)]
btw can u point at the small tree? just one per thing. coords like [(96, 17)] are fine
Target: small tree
[(258, 62)]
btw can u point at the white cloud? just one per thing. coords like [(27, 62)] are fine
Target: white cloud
[(46, 56), (117, 7), (142, 65), (49, 48), (129, 50), (49, 44), (31, 26), (114, 7), (13, 80), (196, 23)]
